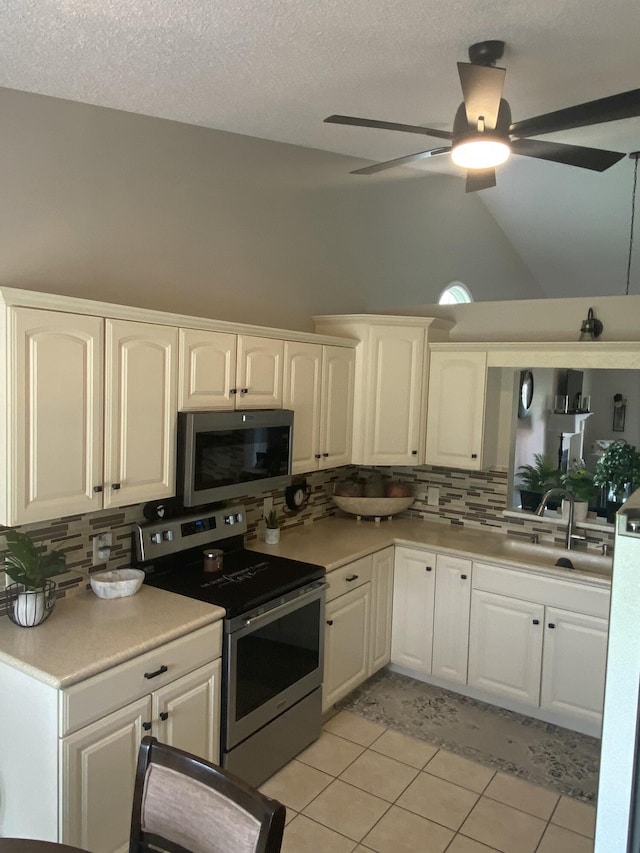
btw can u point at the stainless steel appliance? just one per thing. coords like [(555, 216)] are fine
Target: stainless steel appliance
[(226, 455), (273, 633)]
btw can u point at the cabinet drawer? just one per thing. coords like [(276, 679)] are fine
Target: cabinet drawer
[(556, 592), (349, 577), (95, 697)]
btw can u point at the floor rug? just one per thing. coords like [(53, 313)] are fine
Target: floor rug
[(530, 749)]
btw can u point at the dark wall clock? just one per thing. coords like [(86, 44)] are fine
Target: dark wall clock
[(525, 397)]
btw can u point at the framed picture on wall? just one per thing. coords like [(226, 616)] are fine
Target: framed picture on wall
[(619, 412)]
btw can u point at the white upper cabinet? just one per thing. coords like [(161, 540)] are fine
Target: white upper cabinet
[(140, 413), (389, 403), (462, 398), (207, 370), (318, 386), (54, 398), (220, 370), (259, 373)]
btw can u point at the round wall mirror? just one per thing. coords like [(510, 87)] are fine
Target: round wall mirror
[(526, 393)]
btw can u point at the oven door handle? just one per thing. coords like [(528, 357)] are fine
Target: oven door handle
[(292, 604)]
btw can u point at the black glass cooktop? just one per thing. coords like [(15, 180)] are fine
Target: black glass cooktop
[(247, 580)]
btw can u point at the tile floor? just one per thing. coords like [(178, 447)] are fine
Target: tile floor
[(362, 787)]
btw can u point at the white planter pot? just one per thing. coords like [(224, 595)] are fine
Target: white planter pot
[(580, 510), (272, 535), (29, 608)]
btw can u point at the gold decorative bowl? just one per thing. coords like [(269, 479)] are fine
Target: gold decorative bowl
[(373, 507)]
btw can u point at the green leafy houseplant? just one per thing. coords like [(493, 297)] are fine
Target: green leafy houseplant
[(534, 480), (28, 566), (618, 469), (271, 520), (580, 482)]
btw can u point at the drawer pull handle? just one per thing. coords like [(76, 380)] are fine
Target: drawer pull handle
[(162, 669), (428, 568), (329, 621), (474, 455), (164, 715), (352, 578), (552, 624), (146, 727), (536, 621), (463, 577)]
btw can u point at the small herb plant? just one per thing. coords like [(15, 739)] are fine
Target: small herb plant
[(271, 520), (580, 482), (28, 566)]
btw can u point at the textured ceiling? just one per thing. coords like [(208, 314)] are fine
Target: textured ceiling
[(275, 68)]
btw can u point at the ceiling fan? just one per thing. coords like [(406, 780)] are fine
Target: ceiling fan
[(484, 136)]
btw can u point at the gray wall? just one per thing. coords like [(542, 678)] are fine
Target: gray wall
[(109, 205)]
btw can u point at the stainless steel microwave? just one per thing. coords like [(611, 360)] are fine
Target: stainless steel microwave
[(224, 455)]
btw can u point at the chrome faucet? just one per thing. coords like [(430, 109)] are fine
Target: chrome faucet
[(570, 537)]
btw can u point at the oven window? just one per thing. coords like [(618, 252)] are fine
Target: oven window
[(226, 457), (273, 658)]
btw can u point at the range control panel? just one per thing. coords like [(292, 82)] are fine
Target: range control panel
[(155, 539)]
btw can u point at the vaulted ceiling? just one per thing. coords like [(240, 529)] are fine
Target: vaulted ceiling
[(275, 69)]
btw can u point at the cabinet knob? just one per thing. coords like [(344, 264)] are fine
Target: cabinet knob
[(414, 452), (325, 455), (244, 391), (146, 726), (233, 391), (329, 621), (428, 568), (318, 455), (115, 486), (463, 577), (164, 715), (552, 624), (97, 489), (352, 578), (536, 621), (474, 455)]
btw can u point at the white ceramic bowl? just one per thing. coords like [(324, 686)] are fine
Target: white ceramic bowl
[(116, 583), (376, 507)]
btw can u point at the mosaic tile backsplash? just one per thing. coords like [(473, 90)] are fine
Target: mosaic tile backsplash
[(471, 499)]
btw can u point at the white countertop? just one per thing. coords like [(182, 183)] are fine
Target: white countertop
[(333, 542), (85, 634)]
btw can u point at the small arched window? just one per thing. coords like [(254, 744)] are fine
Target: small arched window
[(454, 294)]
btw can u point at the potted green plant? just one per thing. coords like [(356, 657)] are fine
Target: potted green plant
[(618, 471), (534, 480), (580, 483), (272, 532), (32, 595)]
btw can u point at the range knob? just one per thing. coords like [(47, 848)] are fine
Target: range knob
[(230, 519), (156, 538), (239, 518), (167, 535)]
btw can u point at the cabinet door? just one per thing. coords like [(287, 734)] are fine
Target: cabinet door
[(259, 373), (186, 713), (55, 428), (207, 371), (451, 618), (336, 425), (346, 648), (455, 412), (396, 368), (98, 766), (381, 610), (413, 601), (573, 665), (141, 406), (301, 392), (505, 646)]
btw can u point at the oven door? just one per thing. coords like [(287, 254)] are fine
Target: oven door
[(271, 662)]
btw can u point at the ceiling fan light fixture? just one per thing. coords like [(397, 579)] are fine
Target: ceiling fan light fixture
[(480, 153)]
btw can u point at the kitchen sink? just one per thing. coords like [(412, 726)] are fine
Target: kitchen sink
[(579, 560)]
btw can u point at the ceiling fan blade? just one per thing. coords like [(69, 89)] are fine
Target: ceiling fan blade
[(624, 105), (596, 159), (480, 179), (401, 161), (482, 90), (389, 125)]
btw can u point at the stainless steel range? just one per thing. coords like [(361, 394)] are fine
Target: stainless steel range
[(273, 632)]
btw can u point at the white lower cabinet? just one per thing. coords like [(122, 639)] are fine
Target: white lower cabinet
[(75, 753), (358, 624), (451, 618)]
